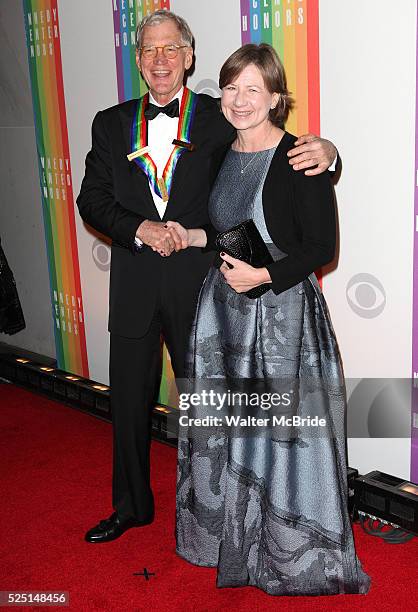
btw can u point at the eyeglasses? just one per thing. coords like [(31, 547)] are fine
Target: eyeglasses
[(169, 51)]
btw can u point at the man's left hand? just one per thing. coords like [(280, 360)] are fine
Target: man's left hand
[(309, 151), (242, 277)]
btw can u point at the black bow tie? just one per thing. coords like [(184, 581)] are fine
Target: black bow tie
[(171, 109)]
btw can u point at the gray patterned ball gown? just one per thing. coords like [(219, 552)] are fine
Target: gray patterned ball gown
[(264, 511)]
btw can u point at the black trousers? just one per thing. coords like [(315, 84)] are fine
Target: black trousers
[(135, 373)]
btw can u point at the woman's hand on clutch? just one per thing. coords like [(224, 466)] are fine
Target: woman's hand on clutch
[(242, 277)]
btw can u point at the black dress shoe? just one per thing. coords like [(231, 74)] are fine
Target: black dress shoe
[(112, 528)]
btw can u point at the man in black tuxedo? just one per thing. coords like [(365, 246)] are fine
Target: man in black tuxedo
[(154, 282)]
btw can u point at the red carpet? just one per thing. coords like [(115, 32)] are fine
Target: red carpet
[(56, 483)]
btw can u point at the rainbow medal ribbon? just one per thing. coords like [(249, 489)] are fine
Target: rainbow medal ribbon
[(140, 155)]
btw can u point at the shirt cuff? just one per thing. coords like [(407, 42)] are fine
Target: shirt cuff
[(333, 165), (138, 245)]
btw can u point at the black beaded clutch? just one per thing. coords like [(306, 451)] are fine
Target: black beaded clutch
[(244, 242)]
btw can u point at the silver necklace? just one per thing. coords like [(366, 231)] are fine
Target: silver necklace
[(243, 168)]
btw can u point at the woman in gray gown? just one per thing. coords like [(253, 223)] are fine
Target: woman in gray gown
[(267, 510)]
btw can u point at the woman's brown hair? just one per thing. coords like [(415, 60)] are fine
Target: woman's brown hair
[(268, 62)]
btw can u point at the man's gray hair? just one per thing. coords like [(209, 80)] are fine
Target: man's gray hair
[(164, 15)]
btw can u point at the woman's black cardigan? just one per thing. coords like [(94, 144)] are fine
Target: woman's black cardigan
[(299, 211)]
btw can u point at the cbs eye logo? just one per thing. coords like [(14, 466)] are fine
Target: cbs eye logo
[(101, 255), (209, 87), (366, 295)]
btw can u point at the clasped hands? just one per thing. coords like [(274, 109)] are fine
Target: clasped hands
[(163, 238)]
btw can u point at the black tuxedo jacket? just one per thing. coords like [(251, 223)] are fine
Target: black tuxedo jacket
[(115, 198)]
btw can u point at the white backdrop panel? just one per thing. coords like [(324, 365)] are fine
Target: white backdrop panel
[(367, 60)]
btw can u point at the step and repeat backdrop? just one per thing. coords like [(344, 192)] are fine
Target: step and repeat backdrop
[(347, 84)]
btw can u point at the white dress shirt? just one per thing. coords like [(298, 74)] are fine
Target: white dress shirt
[(161, 132)]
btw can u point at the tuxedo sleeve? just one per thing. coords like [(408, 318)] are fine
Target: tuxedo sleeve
[(96, 201), (314, 211)]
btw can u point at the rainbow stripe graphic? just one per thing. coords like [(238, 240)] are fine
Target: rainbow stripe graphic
[(291, 27), (414, 436), (126, 16), (44, 55), (168, 395)]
